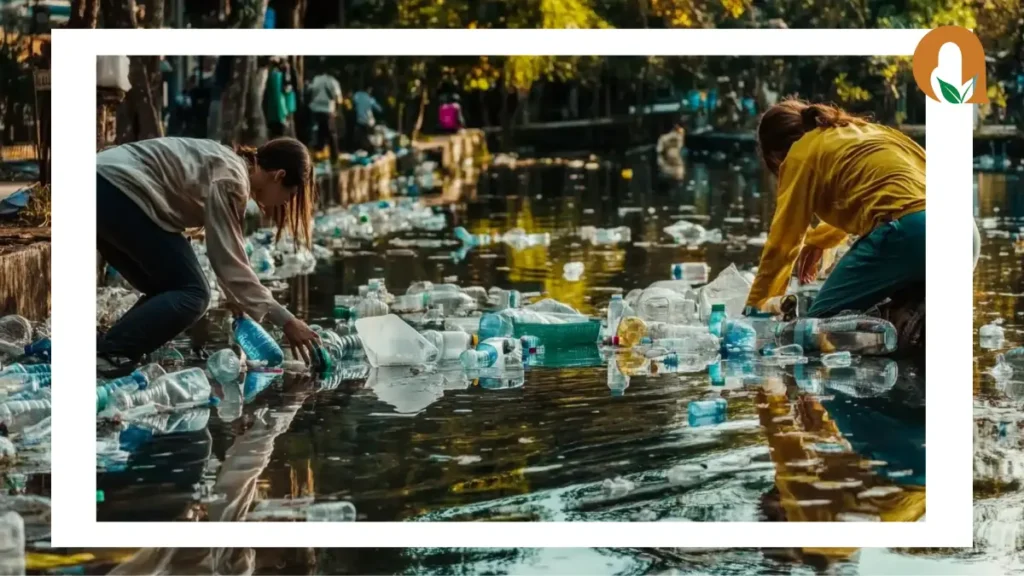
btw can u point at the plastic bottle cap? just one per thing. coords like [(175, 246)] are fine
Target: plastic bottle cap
[(100, 496), (718, 307), (102, 398), (616, 296)]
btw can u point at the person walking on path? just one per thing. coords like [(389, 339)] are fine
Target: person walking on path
[(149, 193), (856, 178), (324, 96), (365, 106)]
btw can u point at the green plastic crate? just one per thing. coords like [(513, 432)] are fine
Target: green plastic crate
[(560, 335)]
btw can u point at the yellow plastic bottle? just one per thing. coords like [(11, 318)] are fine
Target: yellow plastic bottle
[(631, 331)]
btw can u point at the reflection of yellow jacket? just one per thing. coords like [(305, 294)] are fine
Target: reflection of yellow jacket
[(852, 178), (803, 474)]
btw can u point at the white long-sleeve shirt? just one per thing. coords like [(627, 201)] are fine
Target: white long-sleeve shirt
[(187, 183)]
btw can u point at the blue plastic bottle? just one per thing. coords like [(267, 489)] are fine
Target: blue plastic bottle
[(256, 343), (39, 348), (706, 412), (716, 322), (494, 326)]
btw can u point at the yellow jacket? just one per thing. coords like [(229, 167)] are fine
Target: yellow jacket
[(852, 178)]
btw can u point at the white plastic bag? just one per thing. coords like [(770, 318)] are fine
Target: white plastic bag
[(112, 72), (731, 288)]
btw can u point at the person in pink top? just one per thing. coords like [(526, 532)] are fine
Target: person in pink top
[(449, 114), (148, 193)]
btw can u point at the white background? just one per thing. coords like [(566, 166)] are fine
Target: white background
[(949, 407)]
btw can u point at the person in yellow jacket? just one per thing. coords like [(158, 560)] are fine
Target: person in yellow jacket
[(850, 177)]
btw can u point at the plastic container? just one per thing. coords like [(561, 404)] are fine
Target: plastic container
[(616, 306), (389, 341), (256, 342)]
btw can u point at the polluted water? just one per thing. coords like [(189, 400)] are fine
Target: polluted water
[(544, 356)]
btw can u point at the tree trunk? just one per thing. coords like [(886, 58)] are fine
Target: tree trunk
[(255, 132), (84, 14), (341, 14), (233, 101), (422, 113)]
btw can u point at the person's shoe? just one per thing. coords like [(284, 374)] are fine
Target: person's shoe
[(113, 367)]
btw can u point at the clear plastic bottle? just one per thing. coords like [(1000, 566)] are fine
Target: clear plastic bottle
[(615, 309), (663, 305), (262, 262), (12, 543), (495, 352), (450, 344), (176, 390), (224, 366), (13, 408), (16, 330), (331, 512), (740, 337), (256, 342), (658, 330), (419, 287), (703, 346), (691, 272), (433, 318), (864, 335), (518, 238), (137, 380), (472, 239)]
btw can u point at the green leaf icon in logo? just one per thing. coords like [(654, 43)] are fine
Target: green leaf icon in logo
[(949, 92)]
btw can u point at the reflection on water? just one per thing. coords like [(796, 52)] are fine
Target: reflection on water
[(584, 436)]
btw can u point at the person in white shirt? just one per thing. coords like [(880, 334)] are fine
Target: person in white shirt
[(149, 193), (324, 96)]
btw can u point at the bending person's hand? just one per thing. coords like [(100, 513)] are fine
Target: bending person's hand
[(808, 263), (302, 339)]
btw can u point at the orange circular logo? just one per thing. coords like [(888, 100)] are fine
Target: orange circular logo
[(949, 66)]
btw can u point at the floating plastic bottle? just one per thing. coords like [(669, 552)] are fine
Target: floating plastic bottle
[(691, 272), (450, 344), (856, 334), (504, 299), (1002, 371), (177, 390), (701, 348), (615, 309), (257, 344), (664, 305), (224, 366), (787, 355), (472, 239), (494, 325), (619, 235), (716, 322), (12, 543), (139, 379), (740, 337), (706, 412), (368, 307), (262, 262), (572, 271), (684, 232), (420, 287), (518, 238), (658, 330), (433, 318), (331, 512), (495, 352), (19, 378), (14, 408), (452, 303)]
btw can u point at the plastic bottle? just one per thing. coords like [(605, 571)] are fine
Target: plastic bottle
[(25, 369), (615, 309), (856, 334), (605, 235), (489, 353), (137, 380), (224, 366), (19, 382), (450, 344), (504, 299), (838, 359), (658, 330), (176, 390), (663, 305), (257, 381), (452, 303), (16, 330), (419, 287), (740, 337), (13, 408), (706, 412), (262, 262), (12, 543), (366, 308), (518, 238), (472, 239), (691, 272), (331, 512), (256, 342), (703, 346), (787, 355), (716, 322), (493, 325)]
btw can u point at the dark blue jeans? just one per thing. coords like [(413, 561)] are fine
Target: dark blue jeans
[(891, 257), (159, 264)]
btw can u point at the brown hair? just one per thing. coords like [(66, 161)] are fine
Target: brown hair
[(291, 156), (786, 122)]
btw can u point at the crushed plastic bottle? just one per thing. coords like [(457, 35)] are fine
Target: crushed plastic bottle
[(257, 344), (730, 288), (224, 366), (137, 380), (262, 262), (688, 233), (15, 334), (450, 344), (572, 271), (864, 335), (991, 335), (390, 341), (617, 487), (1002, 371)]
